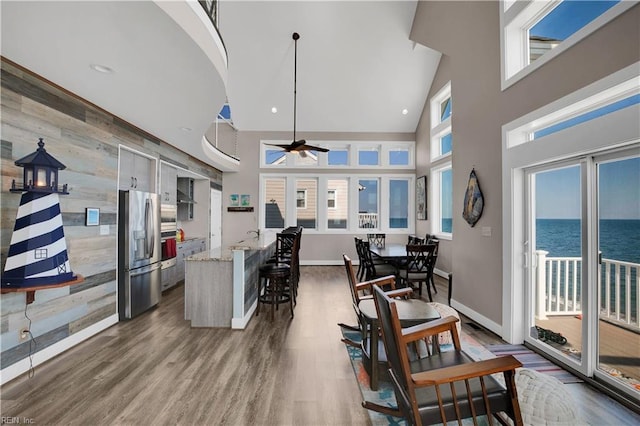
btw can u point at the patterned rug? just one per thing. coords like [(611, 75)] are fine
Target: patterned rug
[(533, 361)]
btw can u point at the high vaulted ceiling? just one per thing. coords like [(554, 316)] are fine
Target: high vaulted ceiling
[(357, 68)]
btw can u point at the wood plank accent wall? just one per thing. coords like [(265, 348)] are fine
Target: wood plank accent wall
[(85, 138)]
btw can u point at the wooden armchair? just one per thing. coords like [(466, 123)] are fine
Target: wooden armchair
[(358, 290), (446, 385)]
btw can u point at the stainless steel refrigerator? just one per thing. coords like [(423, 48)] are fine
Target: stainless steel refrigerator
[(139, 254)]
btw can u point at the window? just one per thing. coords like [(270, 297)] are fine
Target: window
[(331, 199), (337, 191), (40, 253), (301, 198), (368, 203), (275, 203), (337, 203), (564, 114), (561, 22), (368, 157), (441, 203), (442, 210), (533, 32), (359, 154), (333, 204), (306, 203), (275, 157), (398, 203), (338, 157), (399, 157), (441, 111)]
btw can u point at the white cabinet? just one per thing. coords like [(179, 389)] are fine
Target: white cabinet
[(186, 249), (168, 184), (137, 172), (168, 275)]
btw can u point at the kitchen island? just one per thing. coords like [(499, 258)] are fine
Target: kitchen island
[(221, 285)]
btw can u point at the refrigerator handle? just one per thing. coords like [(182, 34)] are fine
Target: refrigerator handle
[(149, 229)]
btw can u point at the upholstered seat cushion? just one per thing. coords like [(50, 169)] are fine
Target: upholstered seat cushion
[(427, 397)]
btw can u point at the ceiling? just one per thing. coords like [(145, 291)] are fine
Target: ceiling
[(357, 68)]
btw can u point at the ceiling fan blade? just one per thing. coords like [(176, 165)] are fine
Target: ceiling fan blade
[(311, 148), (285, 147)]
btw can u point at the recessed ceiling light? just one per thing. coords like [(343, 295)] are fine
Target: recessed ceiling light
[(274, 110), (186, 129), (101, 68), (405, 111)]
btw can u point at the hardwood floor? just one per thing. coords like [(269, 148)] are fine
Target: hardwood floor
[(157, 370)]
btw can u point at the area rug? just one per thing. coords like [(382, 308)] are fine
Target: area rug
[(385, 395), (533, 361)]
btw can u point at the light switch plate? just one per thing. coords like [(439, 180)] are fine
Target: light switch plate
[(104, 229), (486, 231)]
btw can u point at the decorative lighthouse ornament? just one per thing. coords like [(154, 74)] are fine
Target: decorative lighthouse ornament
[(38, 252)]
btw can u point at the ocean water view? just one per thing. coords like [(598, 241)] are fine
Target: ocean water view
[(619, 238)]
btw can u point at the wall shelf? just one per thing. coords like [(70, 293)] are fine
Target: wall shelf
[(31, 291)]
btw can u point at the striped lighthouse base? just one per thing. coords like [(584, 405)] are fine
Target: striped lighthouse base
[(38, 252)]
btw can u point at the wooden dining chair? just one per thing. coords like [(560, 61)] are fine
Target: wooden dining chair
[(416, 270), (375, 268), (445, 385), (377, 240)]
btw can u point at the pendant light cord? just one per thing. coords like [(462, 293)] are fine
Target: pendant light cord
[(296, 36)]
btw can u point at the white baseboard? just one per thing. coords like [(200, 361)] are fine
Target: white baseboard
[(480, 319), (23, 366), (241, 323)]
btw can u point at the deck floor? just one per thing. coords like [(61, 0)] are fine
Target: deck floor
[(619, 348)]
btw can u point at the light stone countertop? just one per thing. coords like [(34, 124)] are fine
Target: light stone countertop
[(250, 243)]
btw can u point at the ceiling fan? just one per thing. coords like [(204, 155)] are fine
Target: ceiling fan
[(298, 146)]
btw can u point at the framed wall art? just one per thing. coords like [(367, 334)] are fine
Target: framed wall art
[(421, 198)]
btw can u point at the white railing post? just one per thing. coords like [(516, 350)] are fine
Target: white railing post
[(541, 284)]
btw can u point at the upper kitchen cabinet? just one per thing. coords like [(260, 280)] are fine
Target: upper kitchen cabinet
[(185, 196), (137, 171), (168, 184)]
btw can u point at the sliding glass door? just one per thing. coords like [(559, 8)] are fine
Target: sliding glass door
[(618, 326), (583, 232), (556, 228)]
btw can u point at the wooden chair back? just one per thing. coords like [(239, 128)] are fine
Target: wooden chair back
[(447, 385)]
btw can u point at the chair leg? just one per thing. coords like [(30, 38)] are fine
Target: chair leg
[(429, 291)]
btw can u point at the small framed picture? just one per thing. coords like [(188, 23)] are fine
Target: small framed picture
[(234, 200), (245, 200), (92, 217)]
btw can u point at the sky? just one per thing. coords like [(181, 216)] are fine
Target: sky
[(558, 191), (568, 17)]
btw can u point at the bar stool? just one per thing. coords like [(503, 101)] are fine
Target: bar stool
[(275, 280)]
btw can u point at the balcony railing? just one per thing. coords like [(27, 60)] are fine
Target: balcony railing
[(559, 288), (211, 7), (368, 220)]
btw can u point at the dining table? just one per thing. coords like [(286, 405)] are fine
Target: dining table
[(410, 312), (395, 253)]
